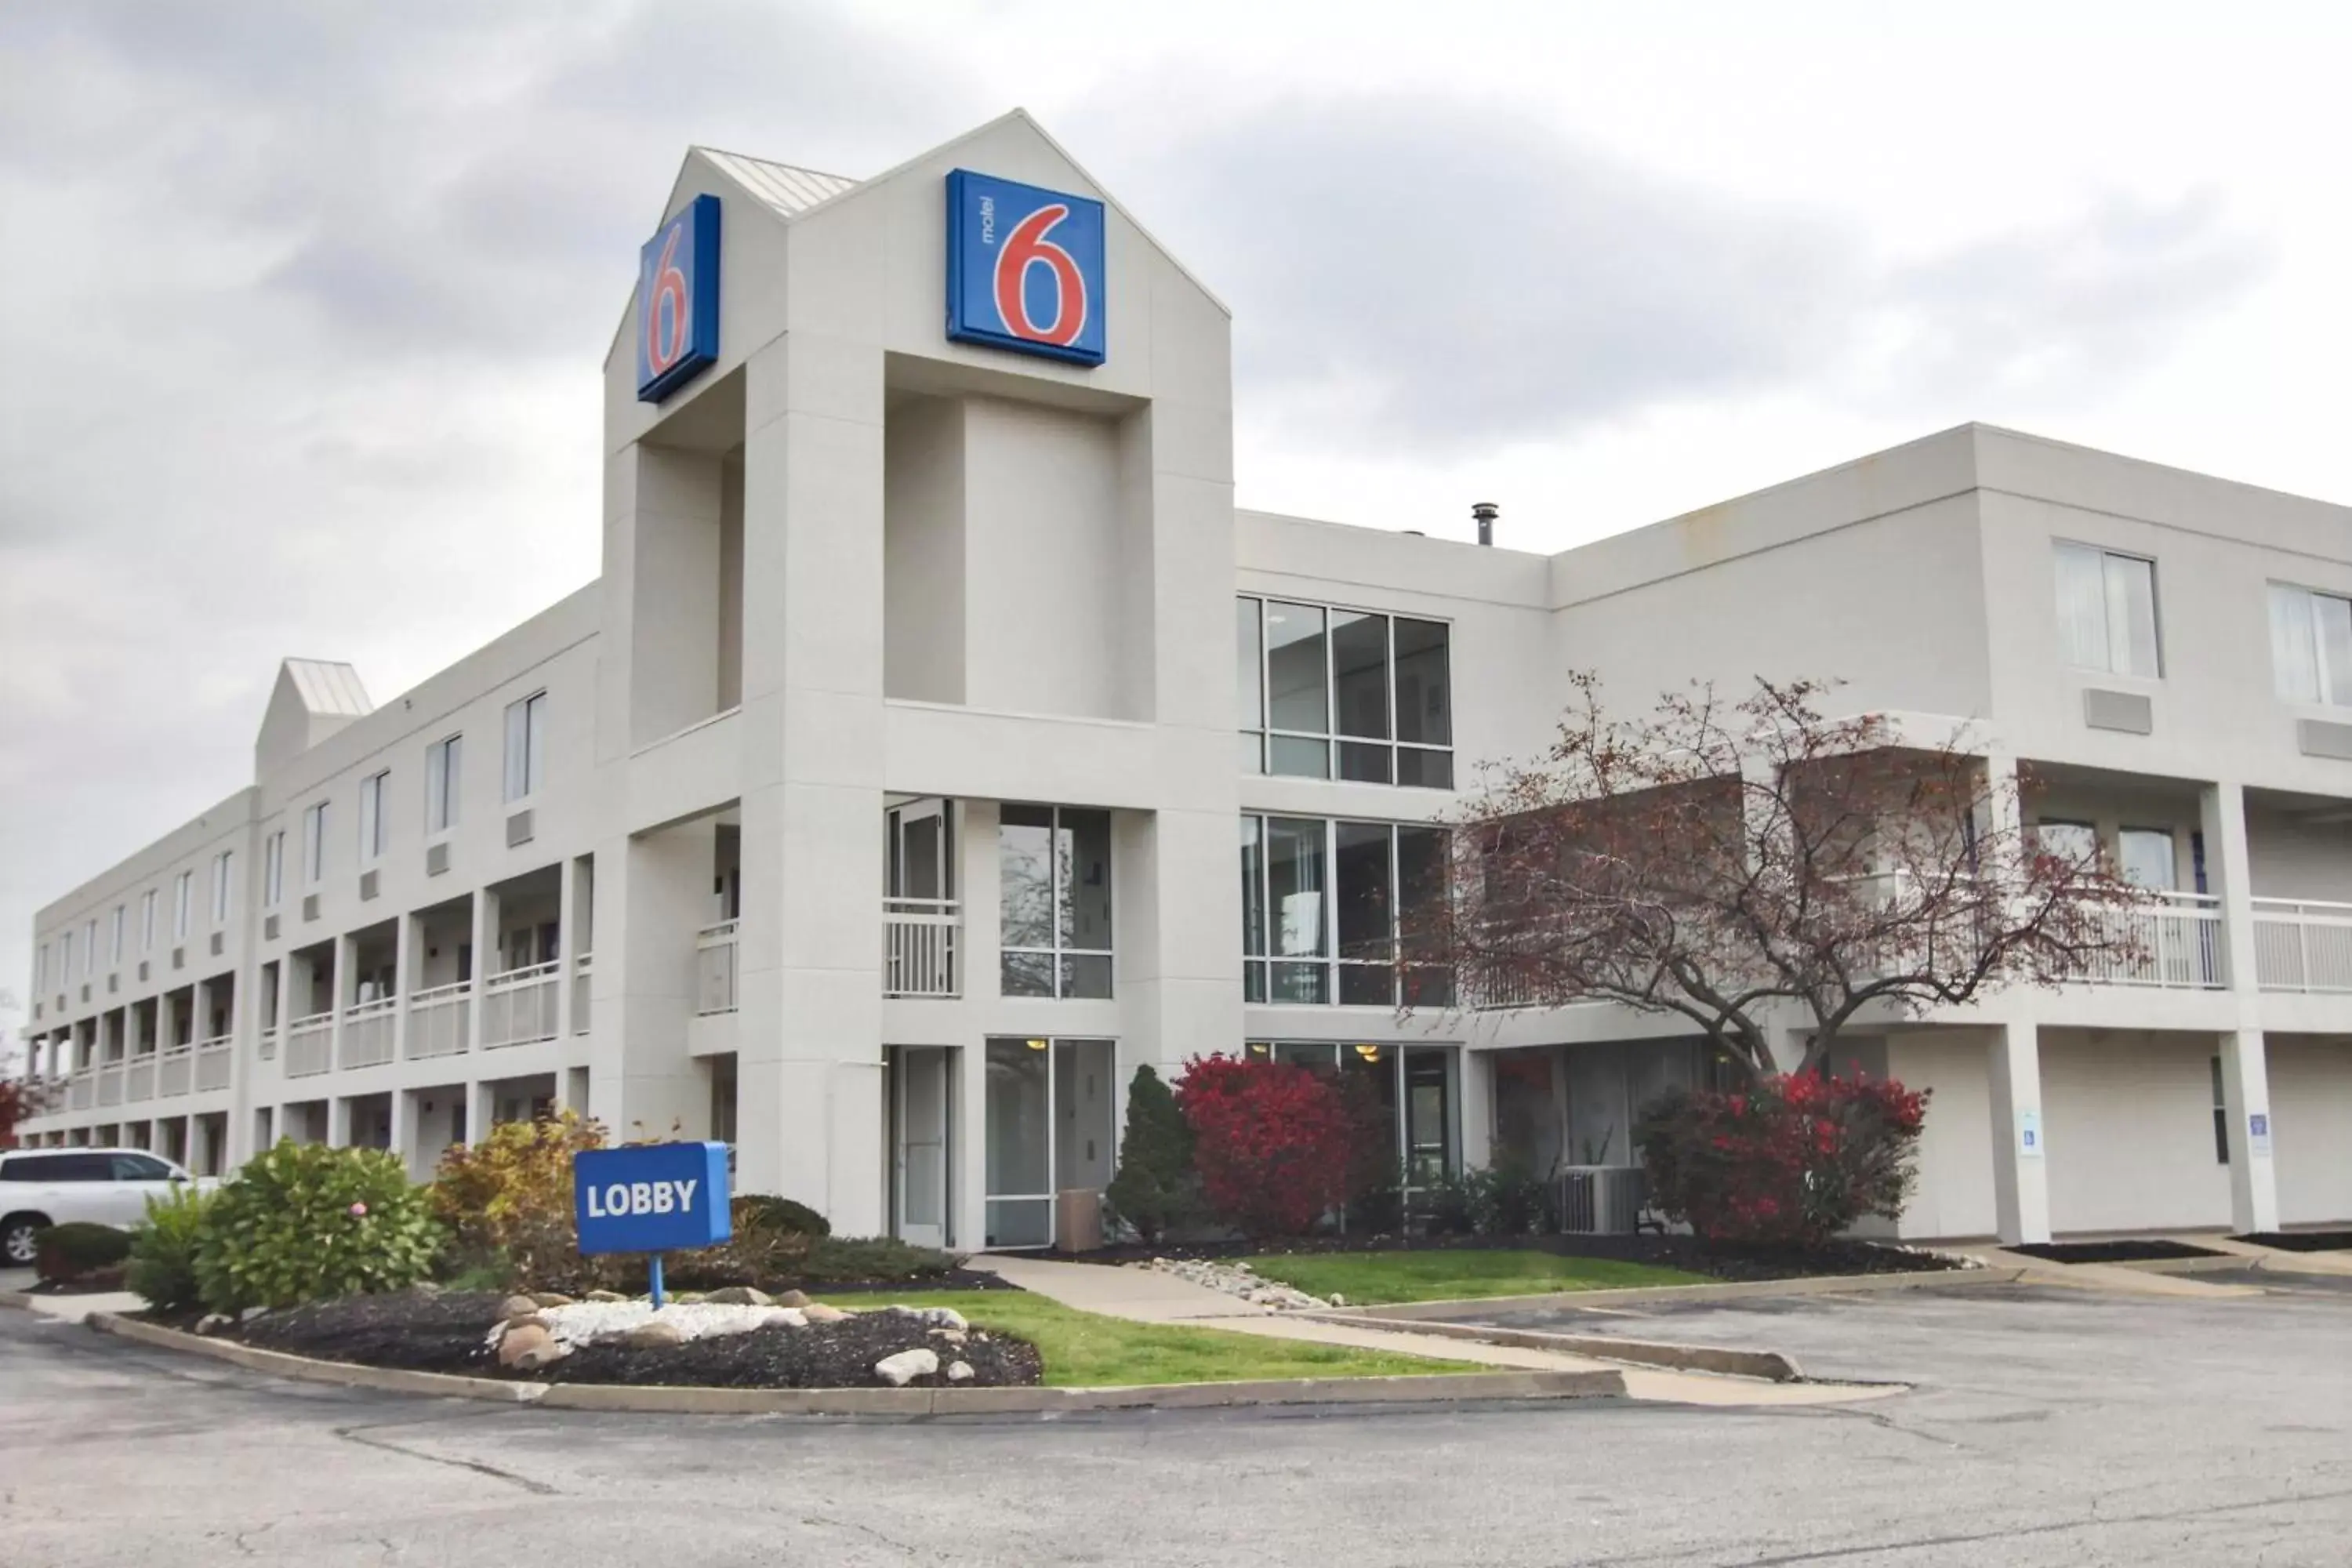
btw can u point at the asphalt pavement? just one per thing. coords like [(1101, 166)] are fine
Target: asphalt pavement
[(2046, 1426)]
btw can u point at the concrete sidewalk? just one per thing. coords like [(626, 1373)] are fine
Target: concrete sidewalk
[(1149, 1296)]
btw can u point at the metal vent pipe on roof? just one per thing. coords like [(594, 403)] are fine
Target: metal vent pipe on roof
[(1484, 513)]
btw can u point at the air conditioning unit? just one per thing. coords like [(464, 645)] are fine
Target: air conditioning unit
[(269, 928), (218, 943), (179, 958), (519, 828), (436, 859), (309, 906), (113, 984), (1601, 1200), (367, 886)]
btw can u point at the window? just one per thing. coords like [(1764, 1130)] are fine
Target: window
[(442, 773), (2145, 858), (2072, 841), (221, 865), (372, 824), (2311, 646), (1345, 694), (147, 921), (1054, 869), (114, 939), (314, 843), (182, 885), (526, 745), (2220, 1118), (41, 967), (58, 1168), (1325, 907), (89, 947), (65, 956), (1420, 1079), (2107, 611), (139, 1168), (273, 869)]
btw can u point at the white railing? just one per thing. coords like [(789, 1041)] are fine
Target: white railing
[(310, 1045), (110, 1084), (582, 968), (2303, 944), (440, 1020), (81, 1089), (212, 1057), (2175, 939), (139, 1080), (367, 1032), (519, 1006), (918, 947), (714, 969), (173, 1078)]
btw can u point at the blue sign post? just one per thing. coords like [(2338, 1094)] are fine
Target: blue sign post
[(1025, 268), (651, 1198)]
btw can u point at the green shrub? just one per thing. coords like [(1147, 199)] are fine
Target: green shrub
[(506, 1201), (72, 1253), (1505, 1199), (164, 1250), (763, 1211), (303, 1222), (1156, 1189), (879, 1259)]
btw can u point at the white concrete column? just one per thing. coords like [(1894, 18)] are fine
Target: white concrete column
[(567, 944), (403, 1120), (404, 981), (339, 1119), (2246, 1095), (2021, 1165), (1476, 1115), (340, 988), (2221, 808), (485, 960)]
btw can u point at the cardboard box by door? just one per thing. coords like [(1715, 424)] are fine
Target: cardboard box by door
[(1078, 1219)]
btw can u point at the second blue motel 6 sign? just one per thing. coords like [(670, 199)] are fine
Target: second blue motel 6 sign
[(651, 1198)]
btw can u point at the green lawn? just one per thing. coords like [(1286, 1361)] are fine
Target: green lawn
[(1445, 1273), (1083, 1349)]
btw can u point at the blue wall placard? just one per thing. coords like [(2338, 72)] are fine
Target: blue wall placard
[(1025, 268), (678, 300), (650, 1197)]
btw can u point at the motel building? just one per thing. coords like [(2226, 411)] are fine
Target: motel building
[(940, 743)]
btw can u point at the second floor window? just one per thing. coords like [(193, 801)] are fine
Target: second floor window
[(89, 947), (442, 773), (314, 843), (2107, 611), (65, 957), (1328, 911), (147, 921), (114, 942), (526, 745), (2311, 646), (371, 825), (182, 892), (1054, 884), (273, 869), (1329, 693), (221, 865)]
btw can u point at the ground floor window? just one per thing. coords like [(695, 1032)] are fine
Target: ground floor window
[(1050, 1129), (1416, 1088)]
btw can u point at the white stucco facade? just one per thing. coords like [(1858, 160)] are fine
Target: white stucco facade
[(877, 809)]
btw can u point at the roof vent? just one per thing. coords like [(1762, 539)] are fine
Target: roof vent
[(1484, 513)]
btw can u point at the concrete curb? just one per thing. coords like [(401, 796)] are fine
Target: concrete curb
[(16, 1299), (1449, 1388), (1726, 1291), (1769, 1365)]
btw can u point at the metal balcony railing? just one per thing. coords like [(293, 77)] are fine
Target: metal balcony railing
[(2303, 944), (920, 938), (440, 1020), (519, 1006), (714, 969)]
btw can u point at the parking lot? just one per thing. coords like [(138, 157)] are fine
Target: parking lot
[(2045, 1427)]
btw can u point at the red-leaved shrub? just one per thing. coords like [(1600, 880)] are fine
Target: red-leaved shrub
[(1269, 1140), (1791, 1160)]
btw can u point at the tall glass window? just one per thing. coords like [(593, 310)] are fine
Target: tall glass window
[(1345, 694), (147, 921), (526, 746), (114, 940), (273, 869), (1054, 881), (1416, 1089), (181, 886), (371, 823), (2107, 611), (2311, 646), (89, 947), (222, 864), (443, 773), (314, 843), (1326, 905)]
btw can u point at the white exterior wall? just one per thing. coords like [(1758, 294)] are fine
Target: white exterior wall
[(854, 562)]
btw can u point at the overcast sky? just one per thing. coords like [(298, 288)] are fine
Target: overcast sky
[(304, 302)]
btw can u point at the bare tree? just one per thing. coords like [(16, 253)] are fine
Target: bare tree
[(1740, 863)]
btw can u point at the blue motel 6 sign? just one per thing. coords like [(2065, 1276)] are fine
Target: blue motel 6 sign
[(650, 1197), (1025, 268), (678, 300)]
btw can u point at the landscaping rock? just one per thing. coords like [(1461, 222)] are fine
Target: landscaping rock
[(518, 1307), (533, 1316), (550, 1299), (960, 1372), (605, 1296), (213, 1323), (932, 1317), (740, 1296), (657, 1331), (793, 1299), (1237, 1279), (250, 1313), (527, 1348), (900, 1369), (818, 1312)]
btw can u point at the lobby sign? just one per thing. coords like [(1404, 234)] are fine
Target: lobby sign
[(1025, 268), (678, 300), (650, 1197)]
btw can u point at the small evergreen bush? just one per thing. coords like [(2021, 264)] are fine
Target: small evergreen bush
[(304, 1222), (879, 1260), (763, 1211), (72, 1252), (162, 1265), (1156, 1189)]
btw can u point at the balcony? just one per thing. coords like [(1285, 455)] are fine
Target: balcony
[(174, 1074), (714, 969), (110, 1084), (367, 1033), (81, 1089), (2303, 944), (519, 1006), (2175, 940), (310, 1045), (918, 947), (440, 1020), (212, 1057), (139, 1080)]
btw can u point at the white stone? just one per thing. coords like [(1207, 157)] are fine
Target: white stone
[(900, 1369), (597, 1322), (1238, 1279), (960, 1372)]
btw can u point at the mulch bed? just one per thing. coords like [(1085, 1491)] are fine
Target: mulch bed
[(414, 1331), (2137, 1249), (1718, 1261), (2302, 1240), (951, 1280)]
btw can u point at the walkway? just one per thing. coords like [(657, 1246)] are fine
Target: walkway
[(1149, 1296)]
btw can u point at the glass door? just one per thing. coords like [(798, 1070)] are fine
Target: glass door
[(1050, 1129), (919, 1166)]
